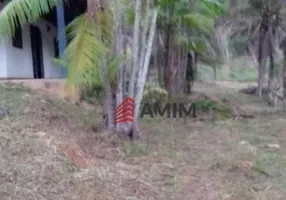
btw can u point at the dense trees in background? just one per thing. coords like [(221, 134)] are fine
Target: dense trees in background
[(259, 26), (184, 28)]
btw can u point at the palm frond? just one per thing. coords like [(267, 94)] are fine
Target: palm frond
[(212, 7), (20, 12), (198, 21), (90, 45)]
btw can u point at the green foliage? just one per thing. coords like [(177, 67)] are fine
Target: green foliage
[(91, 43), (154, 94), (213, 7), (203, 105), (208, 105), (239, 45), (198, 45), (23, 11), (188, 20), (92, 94), (198, 21)]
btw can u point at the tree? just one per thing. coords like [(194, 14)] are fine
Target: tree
[(283, 47), (268, 33)]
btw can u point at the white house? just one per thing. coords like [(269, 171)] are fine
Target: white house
[(32, 51)]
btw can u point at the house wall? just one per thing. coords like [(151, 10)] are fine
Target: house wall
[(3, 56), (19, 61), (3, 61)]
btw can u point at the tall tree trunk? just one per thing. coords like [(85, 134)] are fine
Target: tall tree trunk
[(144, 36), (135, 48), (214, 71), (184, 70), (172, 71), (195, 66), (189, 73), (167, 81), (92, 8), (284, 74), (261, 59), (118, 46), (180, 70), (253, 56), (142, 78), (160, 60), (108, 98), (271, 93)]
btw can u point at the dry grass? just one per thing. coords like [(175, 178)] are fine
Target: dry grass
[(221, 160)]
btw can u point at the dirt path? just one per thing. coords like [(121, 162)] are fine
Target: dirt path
[(213, 160)]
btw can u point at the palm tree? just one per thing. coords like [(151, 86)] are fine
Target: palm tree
[(184, 27)]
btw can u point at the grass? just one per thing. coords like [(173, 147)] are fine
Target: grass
[(176, 159), (240, 69)]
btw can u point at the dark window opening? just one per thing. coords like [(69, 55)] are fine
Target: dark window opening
[(17, 38), (56, 48), (37, 52)]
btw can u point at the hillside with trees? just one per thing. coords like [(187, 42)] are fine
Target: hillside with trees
[(226, 57)]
